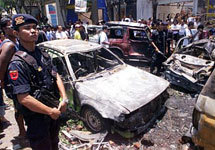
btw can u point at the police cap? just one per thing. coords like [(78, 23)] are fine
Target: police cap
[(22, 19)]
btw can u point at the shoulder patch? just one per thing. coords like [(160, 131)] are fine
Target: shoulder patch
[(14, 74)]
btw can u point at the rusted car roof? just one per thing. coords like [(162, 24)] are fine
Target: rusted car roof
[(70, 46)]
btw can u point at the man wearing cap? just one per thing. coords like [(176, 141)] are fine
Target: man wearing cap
[(32, 80)]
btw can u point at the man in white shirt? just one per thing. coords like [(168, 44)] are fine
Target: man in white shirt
[(175, 27), (182, 29), (103, 39), (189, 33), (60, 34)]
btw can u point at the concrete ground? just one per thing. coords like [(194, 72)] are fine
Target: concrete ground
[(9, 136)]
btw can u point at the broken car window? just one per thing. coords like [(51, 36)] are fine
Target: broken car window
[(58, 61), (138, 35), (116, 33), (84, 64)]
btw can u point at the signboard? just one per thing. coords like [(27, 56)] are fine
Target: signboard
[(81, 6), (52, 13), (211, 8), (161, 2)]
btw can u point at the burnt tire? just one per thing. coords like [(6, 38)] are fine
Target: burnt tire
[(94, 121)]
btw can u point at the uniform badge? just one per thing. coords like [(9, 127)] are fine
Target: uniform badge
[(19, 20), (14, 74), (40, 69)]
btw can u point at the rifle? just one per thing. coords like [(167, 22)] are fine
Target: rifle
[(50, 100)]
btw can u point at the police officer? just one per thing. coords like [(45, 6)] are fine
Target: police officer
[(158, 39), (32, 80), (168, 39)]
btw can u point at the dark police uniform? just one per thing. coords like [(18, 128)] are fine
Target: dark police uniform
[(159, 38), (168, 39), (39, 80)]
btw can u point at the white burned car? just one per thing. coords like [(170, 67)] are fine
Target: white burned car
[(189, 67), (106, 91)]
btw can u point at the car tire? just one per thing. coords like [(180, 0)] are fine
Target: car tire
[(94, 121)]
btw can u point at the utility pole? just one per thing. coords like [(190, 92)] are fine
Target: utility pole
[(119, 10), (195, 7), (94, 12), (154, 7)]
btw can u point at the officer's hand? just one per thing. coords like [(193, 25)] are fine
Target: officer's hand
[(62, 106), (55, 113), (157, 50)]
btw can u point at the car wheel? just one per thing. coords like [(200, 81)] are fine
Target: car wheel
[(94, 121)]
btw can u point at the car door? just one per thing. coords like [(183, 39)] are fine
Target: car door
[(139, 42), (59, 62)]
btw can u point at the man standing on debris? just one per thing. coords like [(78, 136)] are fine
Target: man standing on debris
[(32, 80)]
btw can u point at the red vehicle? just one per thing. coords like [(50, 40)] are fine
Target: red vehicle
[(130, 41)]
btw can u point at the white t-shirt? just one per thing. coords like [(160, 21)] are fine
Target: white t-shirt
[(182, 29), (175, 28), (61, 35), (103, 38), (189, 33)]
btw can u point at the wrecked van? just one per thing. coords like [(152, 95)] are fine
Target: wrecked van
[(104, 90), (203, 129), (189, 67)]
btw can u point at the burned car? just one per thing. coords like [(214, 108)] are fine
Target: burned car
[(189, 67), (130, 41), (105, 91)]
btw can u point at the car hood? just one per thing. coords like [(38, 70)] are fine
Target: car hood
[(124, 89)]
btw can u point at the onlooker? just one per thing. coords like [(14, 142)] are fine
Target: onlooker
[(175, 27), (83, 33), (189, 34), (60, 34), (201, 34), (182, 29), (103, 39), (77, 34), (42, 35), (8, 47), (54, 30), (49, 33)]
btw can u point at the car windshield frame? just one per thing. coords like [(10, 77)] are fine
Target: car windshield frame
[(116, 62)]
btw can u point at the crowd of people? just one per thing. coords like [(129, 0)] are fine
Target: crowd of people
[(18, 38)]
